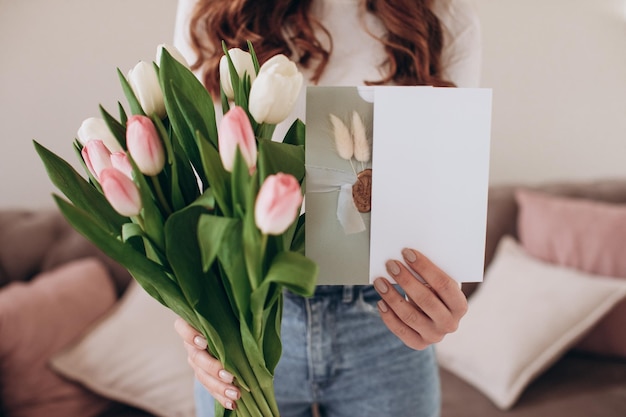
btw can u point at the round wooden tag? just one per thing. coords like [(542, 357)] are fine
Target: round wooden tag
[(362, 191)]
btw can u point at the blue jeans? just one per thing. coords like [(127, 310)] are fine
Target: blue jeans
[(338, 353)]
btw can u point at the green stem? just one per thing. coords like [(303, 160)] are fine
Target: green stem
[(261, 387), (265, 131), (139, 221), (259, 266), (258, 393), (160, 195), (242, 408), (256, 278)]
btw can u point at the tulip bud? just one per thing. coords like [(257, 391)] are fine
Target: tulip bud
[(277, 204), (235, 131), (121, 192), (145, 84), (243, 63), (95, 128), (175, 53), (96, 156), (120, 161), (275, 90), (144, 145)]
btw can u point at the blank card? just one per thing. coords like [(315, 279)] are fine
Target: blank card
[(429, 179)]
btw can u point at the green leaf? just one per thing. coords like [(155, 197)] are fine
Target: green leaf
[(184, 179), (291, 270), (272, 345), (254, 244), (133, 235), (294, 271), (123, 116), (194, 116), (135, 106), (183, 94), (239, 184), (235, 81), (79, 191), (117, 129), (180, 192), (150, 212), (218, 178), (204, 291), (277, 157), (298, 236), (224, 100), (255, 60), (212, 231), (151, 276), (296, 133), (231, 259), (183, 134), (206, 200), (178, 79)]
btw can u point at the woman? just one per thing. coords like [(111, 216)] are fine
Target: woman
[(337, 352)]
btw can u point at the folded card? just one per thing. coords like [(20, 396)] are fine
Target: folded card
[(395, 167)]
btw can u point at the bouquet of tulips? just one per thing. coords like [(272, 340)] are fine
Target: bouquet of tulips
[(204, 215)]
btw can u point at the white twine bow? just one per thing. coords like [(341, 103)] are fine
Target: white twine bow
[(324, 180)]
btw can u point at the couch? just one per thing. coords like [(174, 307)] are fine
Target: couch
[(39, 247), (72, 359), (580, 379)]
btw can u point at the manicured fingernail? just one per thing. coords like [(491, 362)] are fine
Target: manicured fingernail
[(225, 376), (200, 342), (381, 286), (230, 405), (383, 306), (232, 394), (392, 267), (409, 255)]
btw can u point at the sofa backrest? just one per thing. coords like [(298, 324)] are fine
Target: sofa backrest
[(502, 208), (36, 241)]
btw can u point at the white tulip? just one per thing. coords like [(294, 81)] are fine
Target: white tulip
[(95, 128), (175, 53), (275, 90), (145, 84), (243, 63)]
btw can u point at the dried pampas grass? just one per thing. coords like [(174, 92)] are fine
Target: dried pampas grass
[(362, 150), (343, 138)]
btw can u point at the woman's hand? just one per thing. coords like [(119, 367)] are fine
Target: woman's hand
[(430, 311), (208, 370)]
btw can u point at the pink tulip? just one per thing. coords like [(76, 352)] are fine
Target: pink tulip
[(96, 156), (144, 145), (120, 161), (235, 131), (278, 203), (121, 192)]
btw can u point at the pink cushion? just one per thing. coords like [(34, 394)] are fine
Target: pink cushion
[(582, 234), (38, 319)]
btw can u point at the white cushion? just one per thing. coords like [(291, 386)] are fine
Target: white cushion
[(521, 320), (134, 356)]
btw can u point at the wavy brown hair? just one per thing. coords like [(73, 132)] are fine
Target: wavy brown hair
[(413, 42)]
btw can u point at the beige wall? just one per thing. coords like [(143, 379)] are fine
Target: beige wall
[(557, 67), (558, 72), (59, 60)]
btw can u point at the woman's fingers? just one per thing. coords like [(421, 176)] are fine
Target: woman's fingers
[(448, 290), (189, 334), (208, 370), (430, 310), (405, 319)]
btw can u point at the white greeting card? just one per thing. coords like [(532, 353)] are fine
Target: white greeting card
[(429, 179)]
